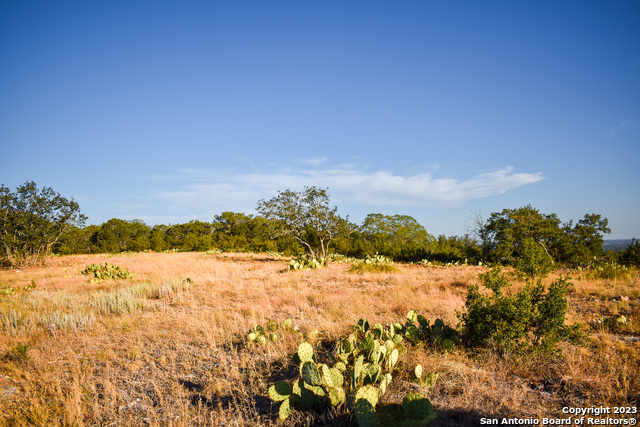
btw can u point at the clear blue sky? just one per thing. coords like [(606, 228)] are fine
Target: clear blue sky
[(172, 111)]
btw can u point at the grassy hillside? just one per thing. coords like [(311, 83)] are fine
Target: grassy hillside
[(167, 346)]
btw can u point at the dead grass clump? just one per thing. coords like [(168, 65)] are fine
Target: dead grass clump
[(361, 268)]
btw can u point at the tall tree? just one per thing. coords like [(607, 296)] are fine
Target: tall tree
[(32, 222), (119, 235), (525, 235), (399, 236), (506, 232), (584, 240), (304, 215)]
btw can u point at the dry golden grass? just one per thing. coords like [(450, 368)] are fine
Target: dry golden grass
[(178, 358)]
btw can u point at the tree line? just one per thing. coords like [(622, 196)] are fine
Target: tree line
[(35, 223)]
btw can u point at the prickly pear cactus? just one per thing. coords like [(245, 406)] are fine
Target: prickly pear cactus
[(365, 404), (305, 352), (280, 391), (365, 362), (311, 374), (285, 409), (416, 407)]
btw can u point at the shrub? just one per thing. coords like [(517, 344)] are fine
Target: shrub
[(529, 320), (534, 260)]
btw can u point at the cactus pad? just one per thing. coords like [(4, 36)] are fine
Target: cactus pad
[(369, 393), (418, 371), (336, 395), (305, 352), (279, 391), (417, 407), (357, 371), (286, 324), (272, 325), (311, 374), (285, 409), (302, 395), (393, 358), (366, 400), (423, 321)]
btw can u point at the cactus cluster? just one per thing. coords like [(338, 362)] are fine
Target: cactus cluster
[(260, 334), (415, 411), (373, 264), (317, 382), (303, 262), (364, 363), (376, 259), (214, 251), (101, 272), (418, 330)]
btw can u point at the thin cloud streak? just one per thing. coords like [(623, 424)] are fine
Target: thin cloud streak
[(215, 192)]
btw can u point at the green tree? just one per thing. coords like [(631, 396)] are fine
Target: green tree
[(77, 240), (240, 232), (158, 238), (527, 235), (454, 248), (306, 216), (192, 236), (584, 240), (119, 235), (32, 222), (631, 255), (504, 234), (400, 237)]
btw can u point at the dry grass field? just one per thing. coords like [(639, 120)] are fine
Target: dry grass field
[(167, 347)]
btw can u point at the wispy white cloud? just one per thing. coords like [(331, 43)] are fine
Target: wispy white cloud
[(617, 129), (214, 191)]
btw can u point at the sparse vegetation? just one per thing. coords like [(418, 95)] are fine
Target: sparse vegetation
[(158, 349), (181, 354)]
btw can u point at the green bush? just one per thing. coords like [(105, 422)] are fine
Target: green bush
[(529, 320), (534, 260)]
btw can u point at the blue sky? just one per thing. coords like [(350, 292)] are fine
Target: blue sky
[(172, 111)]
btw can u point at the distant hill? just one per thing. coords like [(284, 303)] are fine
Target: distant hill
[(616, 244)]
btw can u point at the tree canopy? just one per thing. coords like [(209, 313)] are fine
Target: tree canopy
[(519, 234), (304, 215), (400, 237), (32, 222), (36, 222)]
